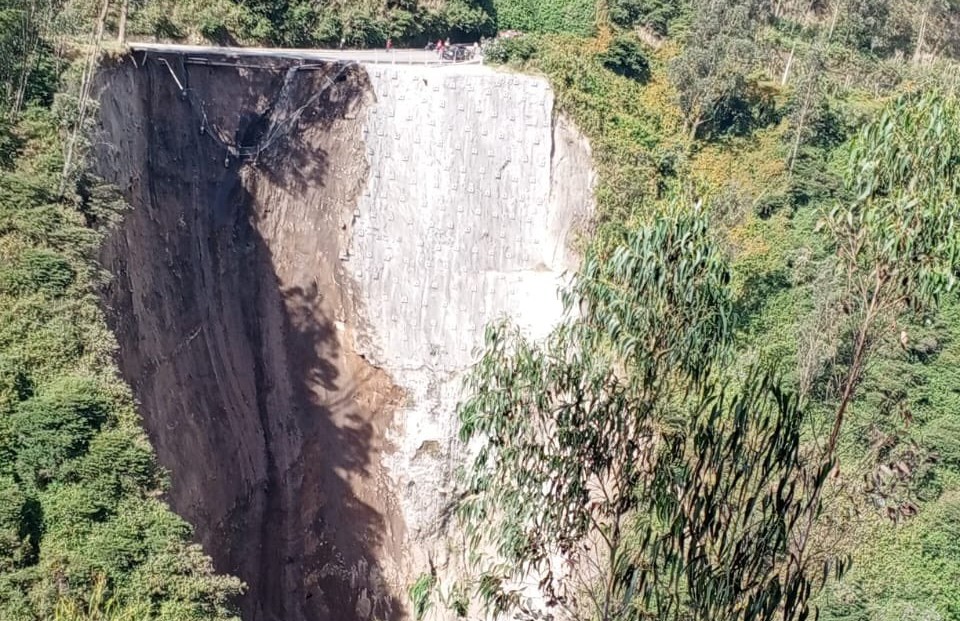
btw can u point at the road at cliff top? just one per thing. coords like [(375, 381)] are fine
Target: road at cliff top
[(398, 56)]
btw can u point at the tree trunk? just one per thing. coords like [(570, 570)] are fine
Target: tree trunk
[(30, 37), (694, 123), (85, 83), (122, 28), (918, 50), (101, 22), (786, 70), (833, 20), (798, 137)]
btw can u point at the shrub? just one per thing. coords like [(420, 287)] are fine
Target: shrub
[(911, 571), (625, 57), (364, 29), (9, 144), (516, 50), (15, 386), (769, 204), (18, 525), (327, 30), (298, 28), (655, 15), (465, 18), (516, 15), (220, 21), (118, 462), (214, 23), (547, 16), (943, 436), (37, 271), (746, 107), (55, 426)]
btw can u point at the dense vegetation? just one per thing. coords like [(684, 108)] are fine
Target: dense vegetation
[(332, 23), (83, 529), (755, 110), (769, 281)]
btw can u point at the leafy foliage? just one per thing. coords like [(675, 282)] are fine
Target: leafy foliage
[(220, 21), (421, 592), (625, 57), (897, 240), (634, 131), (82, 532), (763, 142), (26, 70), (37, 271), (908, 571), (367, 23), (712, 75), (517, 50), (900, 230), (655, 15), (719, 546), (100, 607), (765, 207), (546, 16), (54, 427), (619, 419)]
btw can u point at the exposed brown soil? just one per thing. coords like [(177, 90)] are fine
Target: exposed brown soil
[(234, 317)]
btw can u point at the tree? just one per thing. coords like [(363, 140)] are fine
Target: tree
[(80, 487), (22, 27), (864, 24), (897, 240), (935, 28), (616, 468), (654, 15), (122, 22), (83, 104), (99, 607), (808, 97), (625, 57), (712, 70)]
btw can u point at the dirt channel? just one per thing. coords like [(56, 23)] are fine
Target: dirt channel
[(234, 322)]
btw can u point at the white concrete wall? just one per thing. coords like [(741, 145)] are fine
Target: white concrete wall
[(473, 190)]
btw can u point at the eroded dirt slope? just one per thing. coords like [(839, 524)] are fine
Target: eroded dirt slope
[(226, 302)]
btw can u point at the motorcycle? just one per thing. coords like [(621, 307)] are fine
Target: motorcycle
[(457, 53)]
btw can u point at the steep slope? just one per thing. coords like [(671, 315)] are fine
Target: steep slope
[(301, 279)]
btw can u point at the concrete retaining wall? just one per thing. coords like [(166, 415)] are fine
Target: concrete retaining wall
[(473, 190)]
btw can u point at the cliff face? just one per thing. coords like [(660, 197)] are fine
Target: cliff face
[(311, 257)]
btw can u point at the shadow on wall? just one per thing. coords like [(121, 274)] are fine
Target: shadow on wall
[(342, 565), (278, 429), (304, 108), (318, 536)]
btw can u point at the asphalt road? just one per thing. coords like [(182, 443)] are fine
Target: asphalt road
[(399, 56)]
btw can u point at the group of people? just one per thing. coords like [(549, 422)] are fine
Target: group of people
[(439, 46), (443, 48), (447, 50)]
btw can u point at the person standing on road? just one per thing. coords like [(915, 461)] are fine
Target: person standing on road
[(440, 48), (389, 45)]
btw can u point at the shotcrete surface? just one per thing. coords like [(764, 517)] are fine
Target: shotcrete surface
[(473, 192)]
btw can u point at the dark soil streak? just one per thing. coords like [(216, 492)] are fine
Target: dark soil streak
[(226, 300)]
